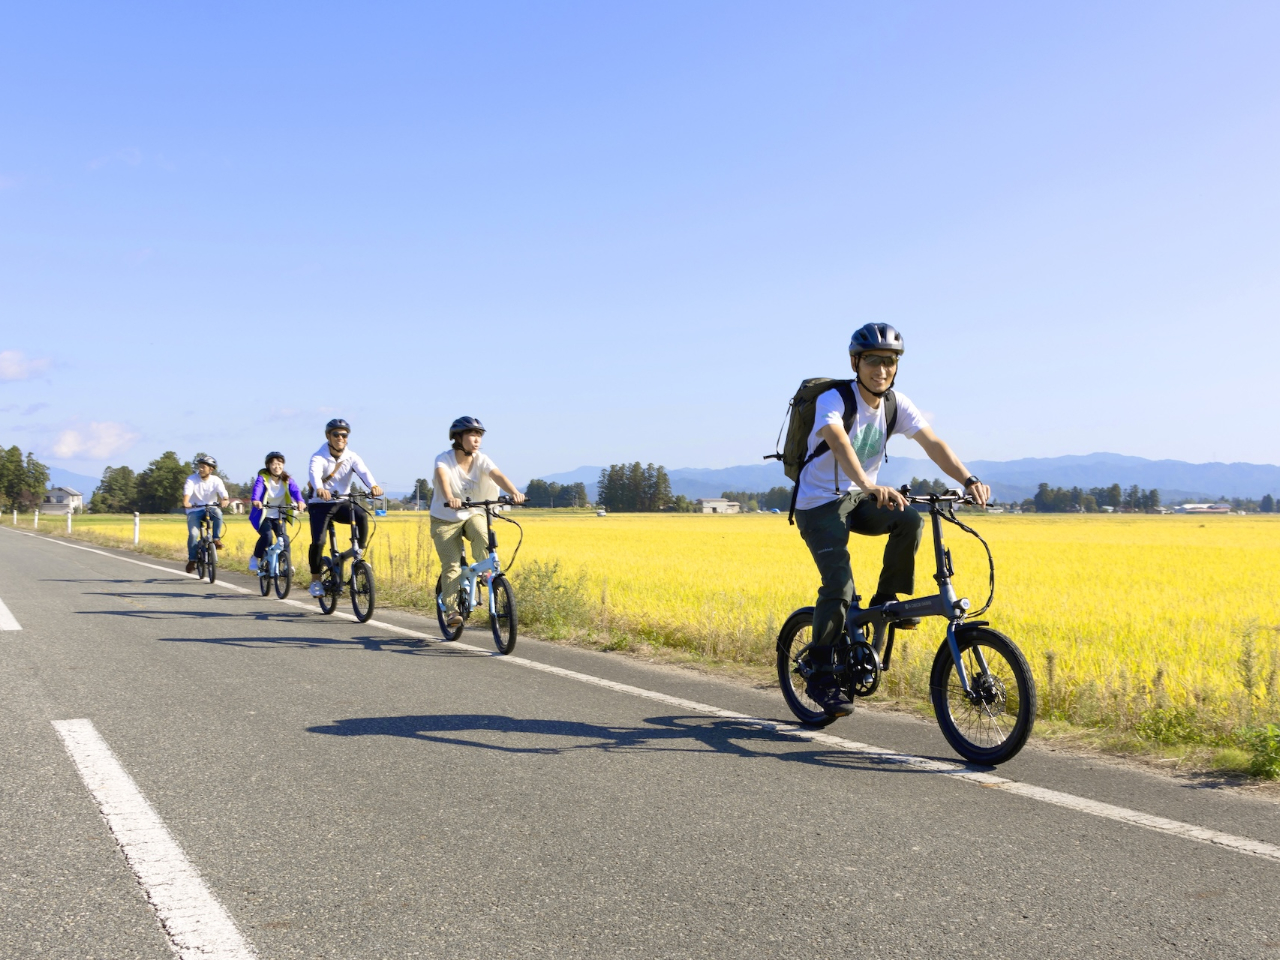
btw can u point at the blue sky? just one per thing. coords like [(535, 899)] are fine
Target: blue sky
[(626, 231)]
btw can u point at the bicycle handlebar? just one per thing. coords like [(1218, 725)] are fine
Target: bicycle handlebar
[(501, 501), (951, 496)]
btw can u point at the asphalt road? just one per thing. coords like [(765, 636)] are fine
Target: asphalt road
[(347, 791)]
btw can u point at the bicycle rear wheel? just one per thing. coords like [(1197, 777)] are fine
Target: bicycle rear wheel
[(503, 621), (794, 668), (331, 582), (440, 613), (212, 563), (284, 573), (362, 590), (992, 725)]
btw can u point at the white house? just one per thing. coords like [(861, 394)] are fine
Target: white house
[(60, 500), (716, 505), (1204, 508)]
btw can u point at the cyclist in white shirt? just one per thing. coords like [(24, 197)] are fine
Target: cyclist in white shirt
[(463, 473), (332, 469), (837, 493), (204, 488)]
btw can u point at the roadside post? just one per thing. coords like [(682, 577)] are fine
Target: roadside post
[(68, 519), (35, 521), (135, 529)]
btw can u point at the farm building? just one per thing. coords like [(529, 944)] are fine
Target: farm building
[(62, 500), (1204, 508), (717, 505)]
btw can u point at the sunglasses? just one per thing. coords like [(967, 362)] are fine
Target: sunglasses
[(339, 436), (885, 363)]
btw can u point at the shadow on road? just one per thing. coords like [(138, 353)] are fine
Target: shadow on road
[(385, 644), (684, 734)]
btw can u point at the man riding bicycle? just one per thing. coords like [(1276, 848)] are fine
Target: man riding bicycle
[(462, 472), (332, 469), (202, 489), (837, 493)]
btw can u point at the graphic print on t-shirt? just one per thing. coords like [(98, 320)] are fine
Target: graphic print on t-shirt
[(868, 442)]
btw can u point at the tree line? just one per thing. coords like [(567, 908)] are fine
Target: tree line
[(23, 480), (633, 488), (157, 489), (542, 493)]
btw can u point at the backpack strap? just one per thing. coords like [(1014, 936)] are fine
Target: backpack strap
[(890, 420), (845, 389)]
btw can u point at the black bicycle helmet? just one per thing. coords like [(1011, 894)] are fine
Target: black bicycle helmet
[(876, 336), (464, 424), (206, 459), (273, 455), (337, 423)]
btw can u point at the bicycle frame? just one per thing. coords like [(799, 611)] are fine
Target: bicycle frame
[(356, 551), (945, 603), (272, 566), (490, 565)]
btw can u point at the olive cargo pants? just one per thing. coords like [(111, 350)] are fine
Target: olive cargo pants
[(825, 530)]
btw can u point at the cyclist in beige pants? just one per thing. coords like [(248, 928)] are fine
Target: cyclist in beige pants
[(462, 473)]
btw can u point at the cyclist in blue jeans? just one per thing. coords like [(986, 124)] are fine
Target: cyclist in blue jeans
[(203, 488), (838, 494)]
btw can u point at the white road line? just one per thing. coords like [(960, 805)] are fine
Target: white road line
[(195, 922), (1187, 831), (7, 620)]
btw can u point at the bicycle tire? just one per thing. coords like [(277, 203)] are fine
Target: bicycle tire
[(213, 563), (332, 587), (284, 573), (199, 561), (363, 593), (264, 578), (503, 624), (440, 618), (795, 635), (995, 729)]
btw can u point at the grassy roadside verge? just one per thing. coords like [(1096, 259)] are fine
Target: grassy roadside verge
[(1236, 736)]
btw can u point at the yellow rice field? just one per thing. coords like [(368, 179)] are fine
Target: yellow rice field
[(1128, 612)]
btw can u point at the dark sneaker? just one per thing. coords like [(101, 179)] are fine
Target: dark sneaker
[(906, 623), (191, 566), (824, 691)]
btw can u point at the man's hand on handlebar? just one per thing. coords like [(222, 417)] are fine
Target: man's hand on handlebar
[(888, 497), (517, 497), (980, 493), (376, 491), (324, 494)]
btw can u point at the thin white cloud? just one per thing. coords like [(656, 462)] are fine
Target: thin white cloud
[(97, 441), (131, 156), (15, 365)]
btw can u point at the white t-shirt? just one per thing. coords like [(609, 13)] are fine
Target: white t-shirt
[(339, 471), (274, 496), (475, 485), (204, 492), (822, 480)]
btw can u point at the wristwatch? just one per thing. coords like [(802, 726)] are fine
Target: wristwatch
[(970, 481)]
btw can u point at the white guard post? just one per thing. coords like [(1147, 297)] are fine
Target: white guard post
[(68, 520), (35, 521), (135, 529)]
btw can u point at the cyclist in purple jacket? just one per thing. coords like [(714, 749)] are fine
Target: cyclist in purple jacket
[(273, 490)]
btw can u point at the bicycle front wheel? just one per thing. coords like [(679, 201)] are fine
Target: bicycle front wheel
[(502, 616), (795, 668), (332, 584), (200, 566), (990, 724), (284, 573), (441, 616), (213, 563), (264, 577), (362, 591)]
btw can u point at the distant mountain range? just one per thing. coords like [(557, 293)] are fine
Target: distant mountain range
[(79, 482), (1009, 479)]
